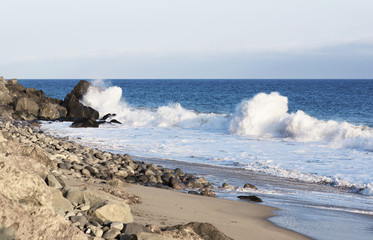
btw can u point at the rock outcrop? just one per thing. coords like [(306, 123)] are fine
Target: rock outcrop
[(20, 103), (72, 102)]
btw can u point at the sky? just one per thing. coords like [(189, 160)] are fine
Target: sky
[(186, 39)]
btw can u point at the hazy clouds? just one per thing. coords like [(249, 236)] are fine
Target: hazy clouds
[(187, 39)]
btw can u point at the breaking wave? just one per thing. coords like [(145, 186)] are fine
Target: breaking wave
[(263, 116)]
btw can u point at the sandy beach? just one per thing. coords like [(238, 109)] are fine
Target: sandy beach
[(52, 186), (238, 220), (159, 207)]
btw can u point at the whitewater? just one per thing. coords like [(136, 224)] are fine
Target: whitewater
[(306, 144), (260, 135)]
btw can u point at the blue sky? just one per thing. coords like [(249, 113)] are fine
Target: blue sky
[(186, 39)]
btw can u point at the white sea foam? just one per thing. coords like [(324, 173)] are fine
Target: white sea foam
[(263, 116), (109, 100), (266, 115), (291, 145)]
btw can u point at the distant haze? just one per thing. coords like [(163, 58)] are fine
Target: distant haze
[(186, 39)]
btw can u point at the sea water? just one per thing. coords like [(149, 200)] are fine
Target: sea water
[(307, 144)]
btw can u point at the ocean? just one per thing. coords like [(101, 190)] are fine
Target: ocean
[(307, 144)]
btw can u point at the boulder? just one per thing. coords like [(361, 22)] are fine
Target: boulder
[(102, 207), (251, 198), (111, 234), (53, 182), (206, 231), (114, 212), (13, 81), (38, 153), (116, 225), (208, 193), (146, 236), (60, 204), (5, 97), (79, 90), (85, 123), (248, 185), (134, 228), (75, 109), (115, 121), (176, 184), (27, 105), (90, 197), (82, 220), (52, 111)]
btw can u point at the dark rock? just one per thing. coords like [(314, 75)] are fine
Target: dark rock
[(193, 184), (91, 170), (106, 116), (178, 172), (63, 166), (81, 219), (208, 193), (15, 86), (176, 184), (248, 185), (73, 105), (85, 123), (99, 155), (206, 231), (142, 179), (79, 90), (111, 234), (134, 228), (115, 121), (250, 198), (76, 109), (128, 237), (225, 185), (159, 185), (193, 192), (131, 179)]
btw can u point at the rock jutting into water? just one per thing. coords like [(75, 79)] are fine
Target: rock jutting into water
[(56, 188)]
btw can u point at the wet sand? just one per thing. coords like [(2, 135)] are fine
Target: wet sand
[(238, 220)]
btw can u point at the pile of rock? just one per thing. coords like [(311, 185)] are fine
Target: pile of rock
[(104, 212), (20, 103)]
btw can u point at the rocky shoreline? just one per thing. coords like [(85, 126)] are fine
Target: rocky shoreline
[(69, 191)]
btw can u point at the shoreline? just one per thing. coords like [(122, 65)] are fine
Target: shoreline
[(247, 214)]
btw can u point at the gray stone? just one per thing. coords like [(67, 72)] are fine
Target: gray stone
[(60, 204), (5, 97), (248, 185), (81, 219), (97, 231), (119, 212), (177, 184), (52, 111), (53, 182), (111, 233), (208, 193), (85, 172), (135, 228), (116, 225), (7, 233), (27, 105)]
